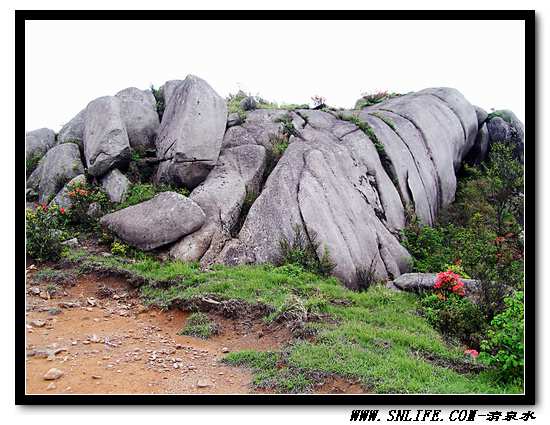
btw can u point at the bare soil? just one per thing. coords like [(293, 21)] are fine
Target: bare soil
[(105, 341)]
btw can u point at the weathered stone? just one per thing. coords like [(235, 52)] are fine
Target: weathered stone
[(38, 142), (139, 113), (73, 131), (248, 103), (234, 119), (53, 374), (419, 283), (479, 151), (481, 116), (116, 185), (62, 199), (157, 222), (191, 133), (504, 126), (106, 142), (168, 89), (60, 164), (233, 181)]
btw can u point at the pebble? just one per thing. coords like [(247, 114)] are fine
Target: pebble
[(53, 374), (38, 323), (225, 350), (203, 384), (51, 386)]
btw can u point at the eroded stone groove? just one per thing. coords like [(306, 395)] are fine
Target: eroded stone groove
[(255, 175)]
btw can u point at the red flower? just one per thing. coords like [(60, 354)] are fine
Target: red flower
[(471, 352), (449, 282), (62, 210), (44, 207)]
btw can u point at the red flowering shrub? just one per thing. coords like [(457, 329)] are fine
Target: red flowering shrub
[(449, 282)]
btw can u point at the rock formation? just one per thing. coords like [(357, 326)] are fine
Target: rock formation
[(348, 178)]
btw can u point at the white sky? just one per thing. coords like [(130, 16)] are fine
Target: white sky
[(70, 63)]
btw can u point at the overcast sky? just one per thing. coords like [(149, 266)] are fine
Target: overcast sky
[(68, 64)]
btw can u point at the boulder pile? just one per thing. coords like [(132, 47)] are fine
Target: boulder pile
[(347, 178)]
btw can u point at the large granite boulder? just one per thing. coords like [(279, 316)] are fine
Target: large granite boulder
[(157, 222), (73, 131), (60, 164), (139, 113), (116, 185), (38, 142), (106, 143), (168, 89), (62, 199), (351, 184), (191, 133), (234, 181)]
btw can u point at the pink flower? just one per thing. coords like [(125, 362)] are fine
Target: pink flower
[(471, 352)]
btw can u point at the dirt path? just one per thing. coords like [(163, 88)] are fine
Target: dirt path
[(115, 345), (107, 342)]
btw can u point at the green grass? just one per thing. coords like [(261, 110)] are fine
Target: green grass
[(384, 118), (200, 326), (373, 336), (142, 192)]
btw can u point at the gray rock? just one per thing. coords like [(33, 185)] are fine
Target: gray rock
[(481, 115), (424, 282), (248, 103), (259, 128), (157, 222), (504, 126), (479, 151), (221, 196), (73, 131), (168, 89), (139, 113), (60, 165), (94, 210), (334, 182), (116, 185), (106, 143), (73, 242), (38, 142), (234, 119), (191, 133), (53, 374), (62, 199)]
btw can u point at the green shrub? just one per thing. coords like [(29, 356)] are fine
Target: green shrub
[(45, 232), (142, 192), (160, 101), (119, 248), (31, 163), (83, 195), (369, 99), (504, 346), (200, 326), (455, 317), (302, 250)]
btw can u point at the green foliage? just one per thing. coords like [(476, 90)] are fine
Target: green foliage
[(455, 317), (287, 125), (504, 346), (160, 101), (31, 163), (302, 248), (200, 326), (504, 114), (82, 196), (141, 192), (369, 99), (482, 229), (53, 276), (348, 343), (44, 232), (119, 248), (384, 118), (458, 269)]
